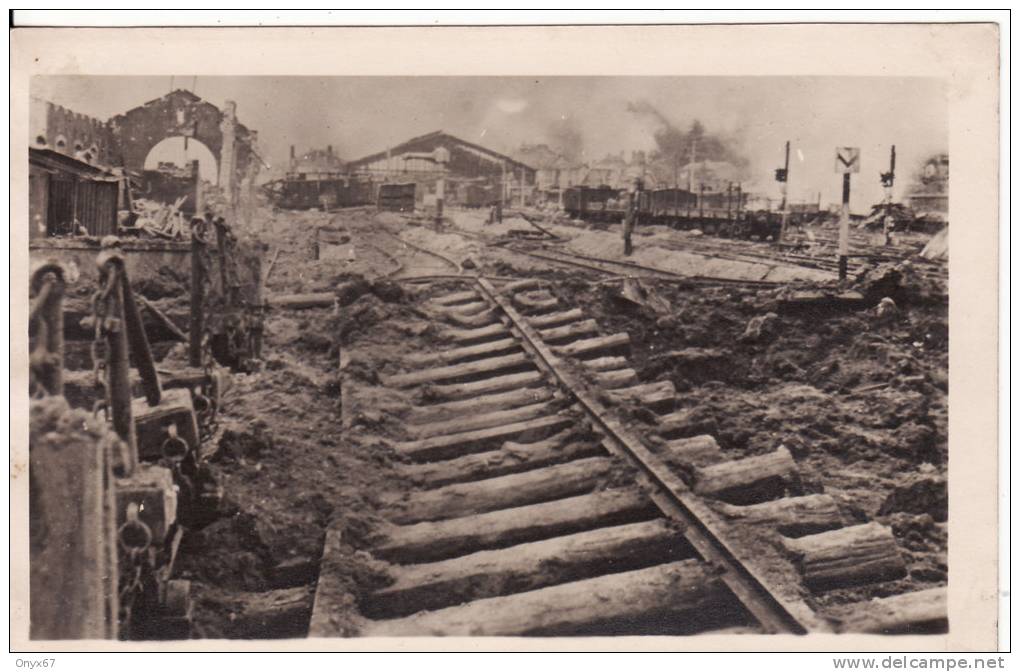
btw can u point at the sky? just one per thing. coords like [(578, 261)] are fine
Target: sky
[(362, 115)]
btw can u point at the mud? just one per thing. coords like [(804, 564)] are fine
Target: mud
[(859, 400)]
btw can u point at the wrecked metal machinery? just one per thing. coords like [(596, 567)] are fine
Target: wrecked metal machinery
[(107, 515), (227, 312)]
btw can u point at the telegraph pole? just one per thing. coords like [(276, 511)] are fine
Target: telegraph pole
[(690, 173), (782, 176)]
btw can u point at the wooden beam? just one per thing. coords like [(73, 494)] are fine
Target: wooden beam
[(525, 567), (430, 541), (850, 556), (677, 592), (455, 445), (511, 458), (453, 371), (503, 492)]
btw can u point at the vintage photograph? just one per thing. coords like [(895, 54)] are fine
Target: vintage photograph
[(488, 356), (540, 357)]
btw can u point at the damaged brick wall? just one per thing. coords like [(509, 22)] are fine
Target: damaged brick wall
[(126, 139)]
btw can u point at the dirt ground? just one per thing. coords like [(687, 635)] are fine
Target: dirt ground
[(858, 398)]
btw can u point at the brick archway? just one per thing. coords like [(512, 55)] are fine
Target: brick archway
[(182, 113)]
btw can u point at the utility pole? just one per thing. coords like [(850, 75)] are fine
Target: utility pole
[(782, 176), (887, 182), (522, 188), (729, 202), (502, 190), (690, 173)]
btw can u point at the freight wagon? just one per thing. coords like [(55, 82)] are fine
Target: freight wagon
[(722, 213), (326, 191)]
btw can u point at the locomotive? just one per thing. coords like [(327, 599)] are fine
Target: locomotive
[(721, 213)]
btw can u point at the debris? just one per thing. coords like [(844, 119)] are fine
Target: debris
[(924, 494), (759, 328), (937, 248), (886, 309)]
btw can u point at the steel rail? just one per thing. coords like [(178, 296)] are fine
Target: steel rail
[(585, 261), (774, 612)]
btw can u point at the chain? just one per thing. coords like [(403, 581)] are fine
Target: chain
[(99, 348), (135, 540), (38, 361), (205, 409)]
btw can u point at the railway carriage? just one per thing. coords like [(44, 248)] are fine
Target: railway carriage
[(722, 213)]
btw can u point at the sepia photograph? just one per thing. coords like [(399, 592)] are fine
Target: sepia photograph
[(539, 356)]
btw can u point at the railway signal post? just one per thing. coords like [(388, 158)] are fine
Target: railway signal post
[(887, 182), (848, 161)]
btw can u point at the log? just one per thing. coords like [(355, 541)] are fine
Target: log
[(524, 285), (593, 345), (504, 492), (616, 379), (748, 481), (850, 556), (457, 297), (512, 458), (686, 423), (555, 319), (921, 612), (678, 592), (455, 445), (472, 422), (465, 336), (456, 355), (606, 363), (582, 328), (526, 567), (790, 516), (656, 396), (537, 302), (454, 371), (466, 309), (430, 541), (813, 299), (476, 320), (301, 301), (513, 381), (500, 400), (273, 614), (696, 450), (164, 321)]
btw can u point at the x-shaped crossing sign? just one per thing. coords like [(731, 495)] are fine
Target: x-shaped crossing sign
[(848, 159)]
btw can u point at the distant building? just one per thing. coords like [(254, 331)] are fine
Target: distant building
[(69, 197), (929, 193), (472, 172), (315, 161), (553, 171)]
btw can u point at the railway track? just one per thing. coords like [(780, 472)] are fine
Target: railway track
[(533, 509), (628, 269), (863, 256)]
